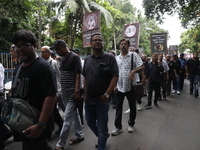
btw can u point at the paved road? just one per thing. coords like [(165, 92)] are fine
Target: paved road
[(175, 125)]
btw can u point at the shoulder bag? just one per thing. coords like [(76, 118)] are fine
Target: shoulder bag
[(137, 89), (17, 113)]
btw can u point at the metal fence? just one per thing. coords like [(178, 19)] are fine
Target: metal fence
[(8, 64)]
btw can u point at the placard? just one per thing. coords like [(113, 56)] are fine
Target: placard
[(158, 43), (91, 25)]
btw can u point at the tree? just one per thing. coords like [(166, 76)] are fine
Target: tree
[(188, 10), (75, 10), (14, 16)]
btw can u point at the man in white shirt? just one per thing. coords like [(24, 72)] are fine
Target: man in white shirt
[(46, 54), (126, 76)]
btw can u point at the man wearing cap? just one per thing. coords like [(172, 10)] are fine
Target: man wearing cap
[(182, 70), (100, 73), (46, 54), (70, 69)]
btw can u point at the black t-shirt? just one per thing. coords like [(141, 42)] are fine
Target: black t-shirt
[(35, 82), (177, 66), (98, 72), (69, 68), (171, 69), (193, 66)]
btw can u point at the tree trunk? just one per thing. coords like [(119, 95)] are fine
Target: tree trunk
[(73, 30), (50, 24), (39, 25)]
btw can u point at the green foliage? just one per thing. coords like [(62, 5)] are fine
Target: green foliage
[(188, 10), (190, 40)]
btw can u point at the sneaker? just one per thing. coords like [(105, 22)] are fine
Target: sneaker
[(178, 93), (147, 106), (173, 91), (139, 107), (127, 112), (155, 104), (196, 94), (116, 131), (131, 129)]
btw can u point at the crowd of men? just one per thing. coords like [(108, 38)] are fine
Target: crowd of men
[(71, 84)]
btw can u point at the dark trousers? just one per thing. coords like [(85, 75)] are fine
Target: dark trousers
[(169, 86), (182, 77), (35, 144), (163, 85), (119, 108), (153, 86), (3, 130)]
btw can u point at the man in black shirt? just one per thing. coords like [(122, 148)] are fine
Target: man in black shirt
[(153, 76), (176, 81), (101, 74), (192, 70), (171, 73), (36, 84)]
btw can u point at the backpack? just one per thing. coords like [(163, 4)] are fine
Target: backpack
[(19, 114)]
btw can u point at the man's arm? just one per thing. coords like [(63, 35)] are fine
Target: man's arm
[(112, 85), (77, 86), (34, 131), (137, 70)]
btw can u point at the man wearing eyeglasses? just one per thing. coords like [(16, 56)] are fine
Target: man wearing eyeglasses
[(100, 73), (70, 69), (127, 76), (36, 84)]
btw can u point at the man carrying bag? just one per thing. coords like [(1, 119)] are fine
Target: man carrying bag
[(126, 76)]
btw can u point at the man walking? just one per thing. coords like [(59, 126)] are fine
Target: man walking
[(153, 76), (126, 75), (36, 84), (70, 69), (46, 54), (164, 77), (101, 75), (192, 70), (182, 70), (176, 81)]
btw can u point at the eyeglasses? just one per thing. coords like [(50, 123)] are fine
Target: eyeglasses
[(97, 40), (22, 46)]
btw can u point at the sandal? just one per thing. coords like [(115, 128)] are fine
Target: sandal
[(75, 140), (59, 148)]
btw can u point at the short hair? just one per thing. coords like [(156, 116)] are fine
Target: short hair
[(47, 48), (94, 35), (195, 52), (24, 35), (126, 40)]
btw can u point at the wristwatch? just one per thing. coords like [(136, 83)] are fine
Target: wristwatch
[(107, 95), (42, 124)]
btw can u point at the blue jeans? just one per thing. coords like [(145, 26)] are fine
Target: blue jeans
[(119, 108), (97, 119), (176, 83), (71, 118), (194, 83)]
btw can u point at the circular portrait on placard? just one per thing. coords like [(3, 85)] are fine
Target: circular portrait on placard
[(130, 31), (159, 47), (91, 21)]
